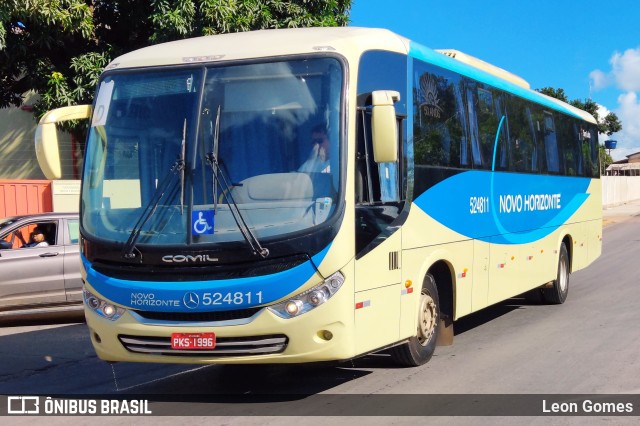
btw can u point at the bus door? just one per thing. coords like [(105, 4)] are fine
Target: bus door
[(378, 244)]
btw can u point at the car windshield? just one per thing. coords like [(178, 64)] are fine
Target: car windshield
[(187, 155), (6, 222)]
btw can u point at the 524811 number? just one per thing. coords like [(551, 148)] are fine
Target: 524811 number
[(231, 298), (478, 205)]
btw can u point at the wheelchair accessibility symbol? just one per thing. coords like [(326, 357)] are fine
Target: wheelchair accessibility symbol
[(202, 222)]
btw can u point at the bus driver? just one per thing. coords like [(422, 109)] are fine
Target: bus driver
[(318, 161)]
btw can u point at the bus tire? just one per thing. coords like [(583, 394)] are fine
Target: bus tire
[(419, 349), (557, 293)]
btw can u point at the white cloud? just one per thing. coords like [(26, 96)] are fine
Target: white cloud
[(628, 112), (625, 75), (599, 79), (625, 68), (602, 111)]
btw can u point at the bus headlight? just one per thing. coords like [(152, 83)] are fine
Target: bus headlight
[(315, 296), (102, 307)]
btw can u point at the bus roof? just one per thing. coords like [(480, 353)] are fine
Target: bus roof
[(347, 41)]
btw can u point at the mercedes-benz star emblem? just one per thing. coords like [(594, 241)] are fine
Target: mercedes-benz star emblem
[(191, 300)]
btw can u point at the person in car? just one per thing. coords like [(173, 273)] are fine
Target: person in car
[(37, 238)]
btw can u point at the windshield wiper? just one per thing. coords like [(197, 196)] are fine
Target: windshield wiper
[(182, 168), (176, 168), (219, 178)]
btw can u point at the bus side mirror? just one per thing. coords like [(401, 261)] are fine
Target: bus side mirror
[(46, 139), (384, 130)]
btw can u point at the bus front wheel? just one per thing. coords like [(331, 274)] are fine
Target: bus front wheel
[(557, 293), (419, 349)]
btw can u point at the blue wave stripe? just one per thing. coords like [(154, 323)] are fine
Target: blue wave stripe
[(505, 208), (169, 296)]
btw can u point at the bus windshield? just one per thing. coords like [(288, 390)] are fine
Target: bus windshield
[(213, 154)]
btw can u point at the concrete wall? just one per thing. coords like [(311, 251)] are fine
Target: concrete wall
[(618, 190), (17, 148)]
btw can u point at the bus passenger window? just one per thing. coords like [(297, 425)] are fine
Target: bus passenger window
[(535, 156), (521, 145), (473, 126), (551, 144)]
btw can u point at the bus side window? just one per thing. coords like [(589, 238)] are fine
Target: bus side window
[(551, 144), (472, 108), (375, 182), (487, 125), (441, 131), (521, 140), (535, 155), (501, 146)]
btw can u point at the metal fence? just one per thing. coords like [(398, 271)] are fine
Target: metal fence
[(24, 196)]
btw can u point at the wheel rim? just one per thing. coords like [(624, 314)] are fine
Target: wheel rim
[(427, 319), (562, 275)]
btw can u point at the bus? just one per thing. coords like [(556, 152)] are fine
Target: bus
[(440, 185)]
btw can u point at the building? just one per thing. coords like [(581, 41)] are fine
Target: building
[(627, 167), (23, 186)]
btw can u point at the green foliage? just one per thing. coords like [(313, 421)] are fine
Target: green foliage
[(607, 125), (175, 19), (605, 158), (554, 93), (37, 37), (58, 48), (611, 124)]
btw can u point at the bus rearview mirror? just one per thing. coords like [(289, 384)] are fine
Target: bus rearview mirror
[(384, 130), (46, 138)]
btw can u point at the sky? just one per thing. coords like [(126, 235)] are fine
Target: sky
[(589, 48)]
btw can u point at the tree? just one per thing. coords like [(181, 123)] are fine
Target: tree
[(608, 125), (58, 48), (605, 158), (554, 93)]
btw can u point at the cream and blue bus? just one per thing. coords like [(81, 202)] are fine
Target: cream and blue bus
[(302, 195)]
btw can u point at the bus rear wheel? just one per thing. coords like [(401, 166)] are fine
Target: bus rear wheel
[(419, 349), (557, 293)]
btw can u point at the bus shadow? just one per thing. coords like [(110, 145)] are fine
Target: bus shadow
[(35, 319), (251, 383), (494, 312)]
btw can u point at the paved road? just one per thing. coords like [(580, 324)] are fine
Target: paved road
[(589, 345)]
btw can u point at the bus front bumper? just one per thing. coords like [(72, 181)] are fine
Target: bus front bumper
[(318, 335)]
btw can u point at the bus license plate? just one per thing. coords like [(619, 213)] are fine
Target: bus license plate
[(193, 340)]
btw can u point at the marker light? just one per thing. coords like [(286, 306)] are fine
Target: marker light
[(102, 307), (310, 299)]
